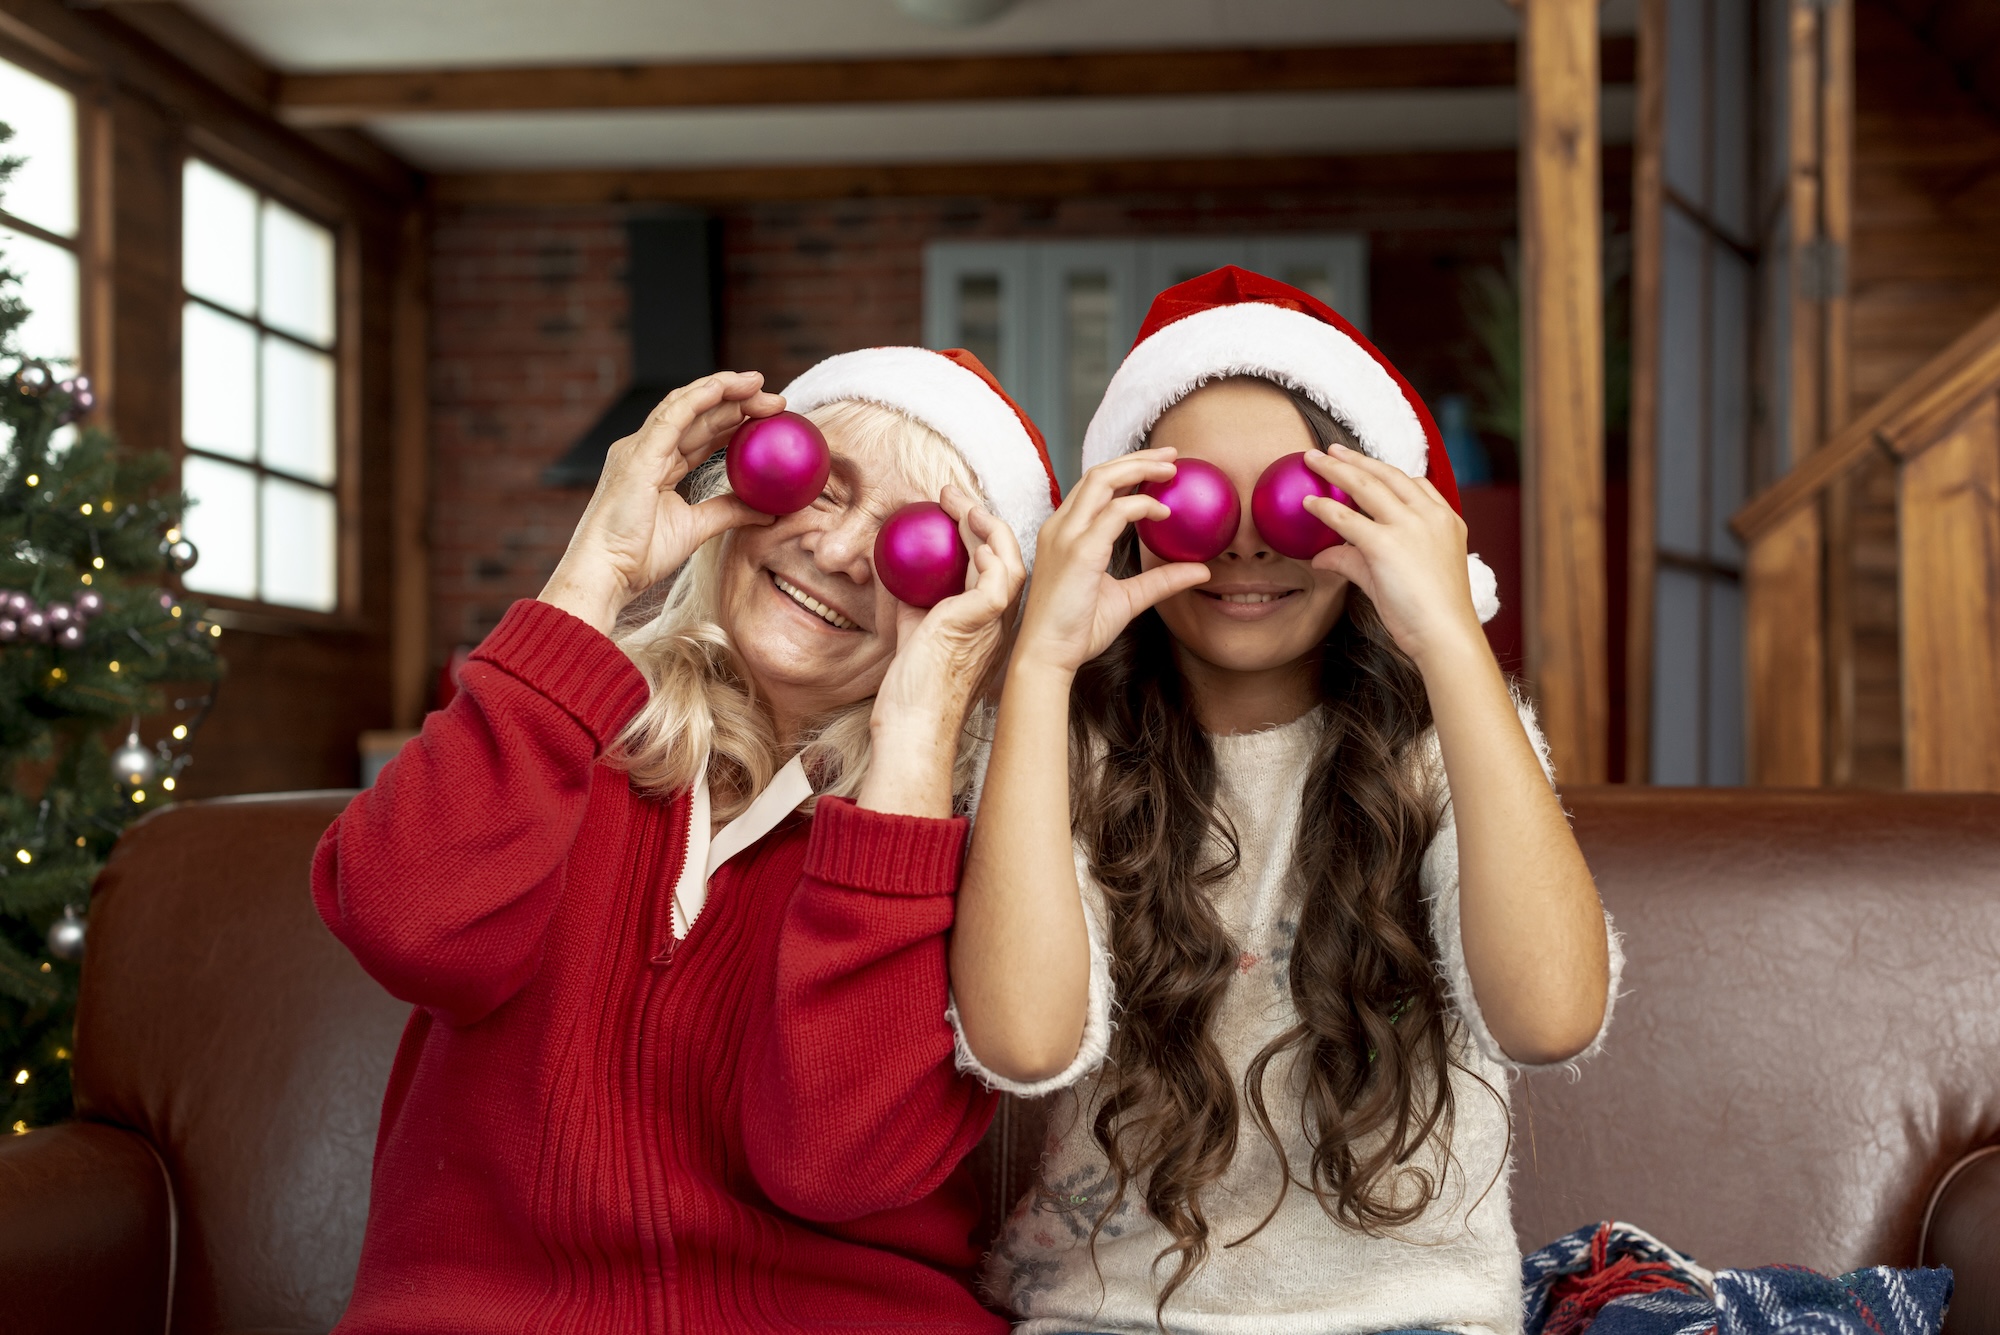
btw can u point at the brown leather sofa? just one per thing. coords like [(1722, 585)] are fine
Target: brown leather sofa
[(1805, 1065)]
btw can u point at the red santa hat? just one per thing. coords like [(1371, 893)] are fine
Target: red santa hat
[(1233, 322), (954, 395)]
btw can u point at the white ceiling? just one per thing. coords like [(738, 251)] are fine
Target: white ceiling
[(1289, 123), (317, 35), (298, 35)]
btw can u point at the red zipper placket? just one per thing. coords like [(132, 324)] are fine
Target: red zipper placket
[(647, 1153)]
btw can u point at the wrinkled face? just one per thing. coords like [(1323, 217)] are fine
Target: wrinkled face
[(1259, 610), (799, 598)]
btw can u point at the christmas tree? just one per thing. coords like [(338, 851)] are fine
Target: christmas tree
[(94, 647)]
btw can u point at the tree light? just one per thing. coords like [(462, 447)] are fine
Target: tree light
[(21, 1076), (97, 563), (173, 535), (139, 795), (34, 479), (84, 508), (175, 610), (86, 574), (215, 631), (180, 732), (114, 665), (79, 841), (23, 856), (167, 783), (20, 1128), (47, 967)]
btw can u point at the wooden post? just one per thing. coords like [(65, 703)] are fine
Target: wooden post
[(1562, 385), (1648, 222), (409, 637)]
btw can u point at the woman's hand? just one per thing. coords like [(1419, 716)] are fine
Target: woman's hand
[(945, 658), (1405, 549), (637, 530), (1076, 608)]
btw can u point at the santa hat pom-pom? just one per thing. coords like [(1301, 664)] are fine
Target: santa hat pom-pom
[(1485, 589)]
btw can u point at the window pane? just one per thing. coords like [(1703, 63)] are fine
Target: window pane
[(218, 382), (1088, 362), (298, 275), (298, 410), (48, 290), (299, 542), (1725, 683), (1313, 280), (218, 237), (979, 318), (43, 118), (222, 525), (1677, 671)]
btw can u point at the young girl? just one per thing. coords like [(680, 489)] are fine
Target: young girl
[(1321, 895)]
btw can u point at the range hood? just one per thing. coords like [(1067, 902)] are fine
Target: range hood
[(673, 270)]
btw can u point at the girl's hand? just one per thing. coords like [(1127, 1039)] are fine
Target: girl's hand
[(637, 530), (1405, 549), (1076, 609), (945, 660)]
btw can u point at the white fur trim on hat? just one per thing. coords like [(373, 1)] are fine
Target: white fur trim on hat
[(956, 404), (1257, 338)]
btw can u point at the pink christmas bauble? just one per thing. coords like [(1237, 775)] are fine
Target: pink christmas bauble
[(89, 603), (1204, 513), (10, 630), (778, 464), (918, 555), (35, 626), (59, 614), (1278, 508), (18, 604), (70, 636)]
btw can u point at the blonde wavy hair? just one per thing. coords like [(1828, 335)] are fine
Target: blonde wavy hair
[(703, 714)]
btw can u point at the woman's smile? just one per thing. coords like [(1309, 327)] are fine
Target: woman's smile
[(820, 611), (1241, 601)]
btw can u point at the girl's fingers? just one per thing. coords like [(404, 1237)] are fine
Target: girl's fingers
[(1406, 489), (1149, 587), (1371, 493), (1350, 561), (1106, 480), (1118, 514), (1345, 520)]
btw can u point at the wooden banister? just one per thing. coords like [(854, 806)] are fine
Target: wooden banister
[(1940, 430)]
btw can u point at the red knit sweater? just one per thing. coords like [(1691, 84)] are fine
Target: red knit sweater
[(591, 1127)]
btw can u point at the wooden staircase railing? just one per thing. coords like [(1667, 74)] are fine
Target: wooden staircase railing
[(1940, 433)]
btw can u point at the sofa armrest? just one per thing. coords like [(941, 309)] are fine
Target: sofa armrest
[(1962, 1230), (86, 1232)]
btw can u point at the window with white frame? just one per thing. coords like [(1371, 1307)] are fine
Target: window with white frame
[(39, 213), (258, 395), (1052, 319)]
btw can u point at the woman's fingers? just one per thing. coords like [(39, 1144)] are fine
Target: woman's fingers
[(1345, 520), (1350, 561), (1371, 491), (1119, 513), (711, 429), (719, 514), (649, 449)]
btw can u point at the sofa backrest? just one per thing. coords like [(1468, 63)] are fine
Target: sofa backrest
[(1809, 1037), (221, 1021)]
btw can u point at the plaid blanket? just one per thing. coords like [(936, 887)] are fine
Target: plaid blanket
[(1614, 1279)]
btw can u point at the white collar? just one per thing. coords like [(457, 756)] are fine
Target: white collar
[(780, 798)]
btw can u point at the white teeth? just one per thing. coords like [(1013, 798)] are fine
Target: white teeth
[(814, 605), (1250, 597)]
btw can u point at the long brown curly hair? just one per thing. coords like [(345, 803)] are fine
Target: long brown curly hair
[(1373, 1038)]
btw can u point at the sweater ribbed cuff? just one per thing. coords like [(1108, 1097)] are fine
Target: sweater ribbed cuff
[(884, 854), (571, 663)]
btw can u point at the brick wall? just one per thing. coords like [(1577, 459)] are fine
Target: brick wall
[(529, 315)]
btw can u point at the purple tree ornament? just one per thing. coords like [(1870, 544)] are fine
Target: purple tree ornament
[(70, 636), (35, 626), (19, 604), (59, 615), (89, 603), (10, 629)]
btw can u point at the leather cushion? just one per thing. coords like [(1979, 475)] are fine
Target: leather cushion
[(86, 1232), (1809, 1032), (1962, 1231), (220, 1020)]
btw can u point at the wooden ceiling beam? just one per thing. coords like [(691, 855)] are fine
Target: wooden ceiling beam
[(1476, 174), (352, 97)]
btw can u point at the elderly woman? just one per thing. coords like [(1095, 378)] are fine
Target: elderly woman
[(666, 891)]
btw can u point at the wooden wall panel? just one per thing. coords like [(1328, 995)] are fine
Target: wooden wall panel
[(1562, 385), (1950, 502), (1783, 642)]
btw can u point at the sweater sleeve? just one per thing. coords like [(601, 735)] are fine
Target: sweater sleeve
[(1095, 1043), (442, 878), (853, 1104), (1440, 888)]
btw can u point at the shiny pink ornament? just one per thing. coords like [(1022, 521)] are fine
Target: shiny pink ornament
[(918, 555), (88, 604), (10, 630), (18, 604), (35, 626), (1278, 508), (70, 636), (1203, 513), (778, 464), (59, 615)]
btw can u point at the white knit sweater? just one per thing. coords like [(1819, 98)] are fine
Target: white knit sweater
[(1457, 1267)]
